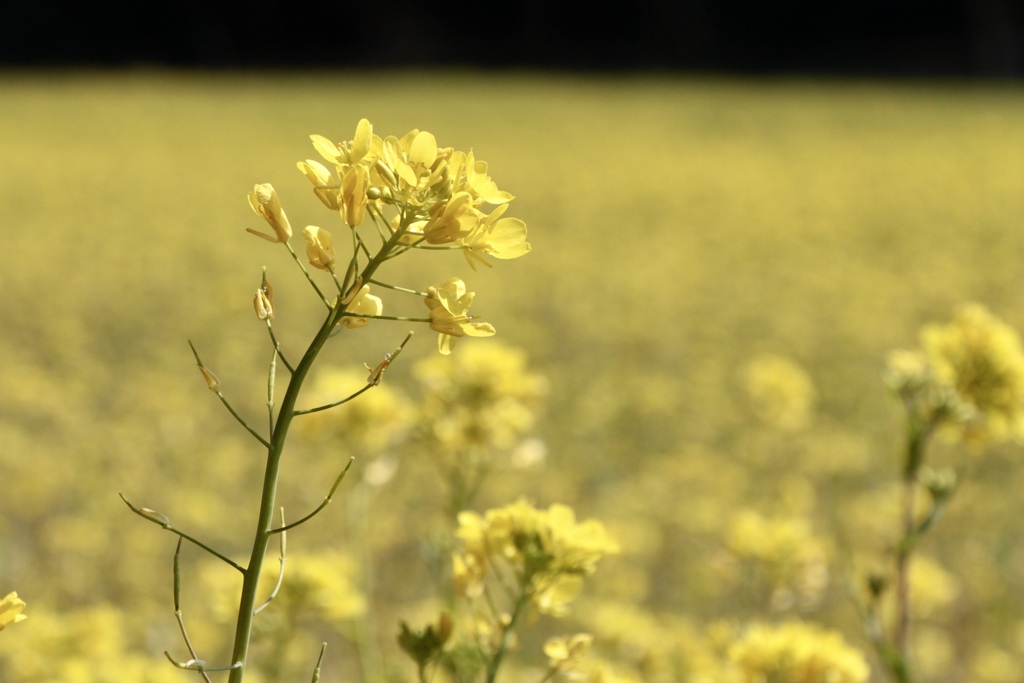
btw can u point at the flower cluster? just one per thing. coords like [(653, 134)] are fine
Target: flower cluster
[(797, 652), (487, 399), (416, 195), (968, 376), (786, 551), (547, 552), (780, 392)]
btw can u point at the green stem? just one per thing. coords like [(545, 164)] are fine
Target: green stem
[(264, 528), (506, 635), (275, 449)]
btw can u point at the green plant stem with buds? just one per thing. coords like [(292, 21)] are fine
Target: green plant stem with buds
[(275, 450)]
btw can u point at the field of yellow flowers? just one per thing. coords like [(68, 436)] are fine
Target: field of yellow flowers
[(692, 353)]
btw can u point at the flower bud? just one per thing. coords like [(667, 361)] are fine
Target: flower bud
[(263, 303), (264, 201), (353, 194), (319, 247)]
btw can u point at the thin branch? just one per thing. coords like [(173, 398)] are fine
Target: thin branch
[(335, 404), (215, 387), (271, 377), (162, 521), (200, 665), (177, 610), (277, 346), (308, 276), (398, 289), (330, 495), (280, 574), (319, 662)]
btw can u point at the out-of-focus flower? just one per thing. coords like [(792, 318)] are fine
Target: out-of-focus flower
[(319, 247), (967, 379), (565, 652), (264, 201), (425, 644), (790, 557), (449, 314), (797, 652), (11, 608), (980, 357), (548, 551), (781, 394), (486, 398), (363, 303), (324, 584), (372, 424)]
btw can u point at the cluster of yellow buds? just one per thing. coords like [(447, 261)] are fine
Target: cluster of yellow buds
[(797, 652), (968, 377), (416, 195), (548, 551)]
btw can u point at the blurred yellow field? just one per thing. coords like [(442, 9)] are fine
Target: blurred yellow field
[(719, 271)]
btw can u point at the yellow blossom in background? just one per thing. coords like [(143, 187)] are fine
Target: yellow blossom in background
[(980, 357), (372, 424), (321, 585), (449, 314), (780, 392), (485, 397), (565, 652), (84, 645), (11, 608), (548, 551), (797, 652), (264, 201), (319, 247), (789, 555)]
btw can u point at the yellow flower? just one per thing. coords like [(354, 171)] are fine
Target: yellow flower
[(547, 550), (502, 239), (319, 247), (453, 220), (781, 394), (363, 303), (353, 194), (980, 358), (449, 314), (477, 181), (324, 186), (264, 201), (10, 610), (796, 652), (565, 652)]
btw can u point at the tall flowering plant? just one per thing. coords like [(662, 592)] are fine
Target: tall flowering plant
[(391, 195), (965, 383)]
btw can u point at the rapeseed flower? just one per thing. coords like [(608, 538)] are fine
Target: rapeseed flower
[(797, 652), (264, 201), (362, 304), (548, 551), (449, 314), (980, 357), (11, 610), (319, 247)]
